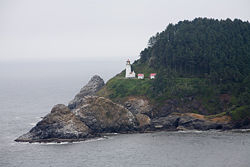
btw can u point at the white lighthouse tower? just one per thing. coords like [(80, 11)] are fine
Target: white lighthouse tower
[(129, 73)]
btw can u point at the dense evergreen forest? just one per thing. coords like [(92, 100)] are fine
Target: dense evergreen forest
[(206, 48), (202, 47), (206, 59)]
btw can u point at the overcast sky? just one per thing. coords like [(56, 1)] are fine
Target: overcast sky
[(97, 29)]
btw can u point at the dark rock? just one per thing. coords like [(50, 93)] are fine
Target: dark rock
[(177, 121), (138, 106), (60, 123), (191, 123), (170, 122), (89, 116), (184, 105), (86, 116), (103, 115), (93, 116), (93, 86)]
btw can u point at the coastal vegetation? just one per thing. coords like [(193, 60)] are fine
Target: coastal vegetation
[(204, 59), (202, 83)]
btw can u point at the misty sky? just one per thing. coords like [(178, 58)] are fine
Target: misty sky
[(97, 29)]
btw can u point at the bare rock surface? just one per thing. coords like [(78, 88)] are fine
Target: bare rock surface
[(177, 121), (94, 85), (86, 116), (143, 120), (102, 115), (59, 123), (89, 116), (138, 105)]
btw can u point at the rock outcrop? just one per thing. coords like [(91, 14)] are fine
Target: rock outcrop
[(86, 116), (138, 106), (187, 121), (142, 111), (60, 123), (103, 115), (94, 85), (89, 116)]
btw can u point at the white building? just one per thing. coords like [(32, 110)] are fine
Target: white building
[(140, 76), (129, 73), (152, 75)]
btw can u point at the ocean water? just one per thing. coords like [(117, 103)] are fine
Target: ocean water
[(28, 91)]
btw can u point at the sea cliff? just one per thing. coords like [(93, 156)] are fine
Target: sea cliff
[(202, 81), (89, 116)]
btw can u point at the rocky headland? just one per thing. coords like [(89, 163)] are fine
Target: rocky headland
[(199, 83), (89, 116)]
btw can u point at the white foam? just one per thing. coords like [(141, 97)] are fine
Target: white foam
[(32, 124), (190, 131)]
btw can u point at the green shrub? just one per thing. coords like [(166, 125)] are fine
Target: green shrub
[(122, 87), (241, 113)]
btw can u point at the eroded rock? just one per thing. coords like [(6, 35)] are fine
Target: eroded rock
[(143, 120), (138, 106), (89, 116), (177, 121), (59, 123), (94, 85), (103, 115)]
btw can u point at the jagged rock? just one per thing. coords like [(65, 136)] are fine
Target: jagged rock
[(103, 115), (60, 123), (89, 116), (94, 85), (177, 121), (170, 122), (194, 123), (94, 115), (138, 105), (86, 116)]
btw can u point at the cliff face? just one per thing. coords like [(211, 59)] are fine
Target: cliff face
[(172, 116), (89, 116)]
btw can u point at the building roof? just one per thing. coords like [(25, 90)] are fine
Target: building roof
[(152, 74), (140, 74)]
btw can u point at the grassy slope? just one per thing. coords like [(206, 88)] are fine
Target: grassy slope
[(119, 89)]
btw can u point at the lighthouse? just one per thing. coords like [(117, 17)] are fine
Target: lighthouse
[(129, 72)]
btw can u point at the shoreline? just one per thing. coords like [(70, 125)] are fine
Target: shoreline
[(106, 135)]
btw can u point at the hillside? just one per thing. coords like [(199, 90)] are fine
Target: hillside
[(202, 66)]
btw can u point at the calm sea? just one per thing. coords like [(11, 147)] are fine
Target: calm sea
[(28, 91)]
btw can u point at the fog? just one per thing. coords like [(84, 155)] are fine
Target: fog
[(59, 71), (92, 30)]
